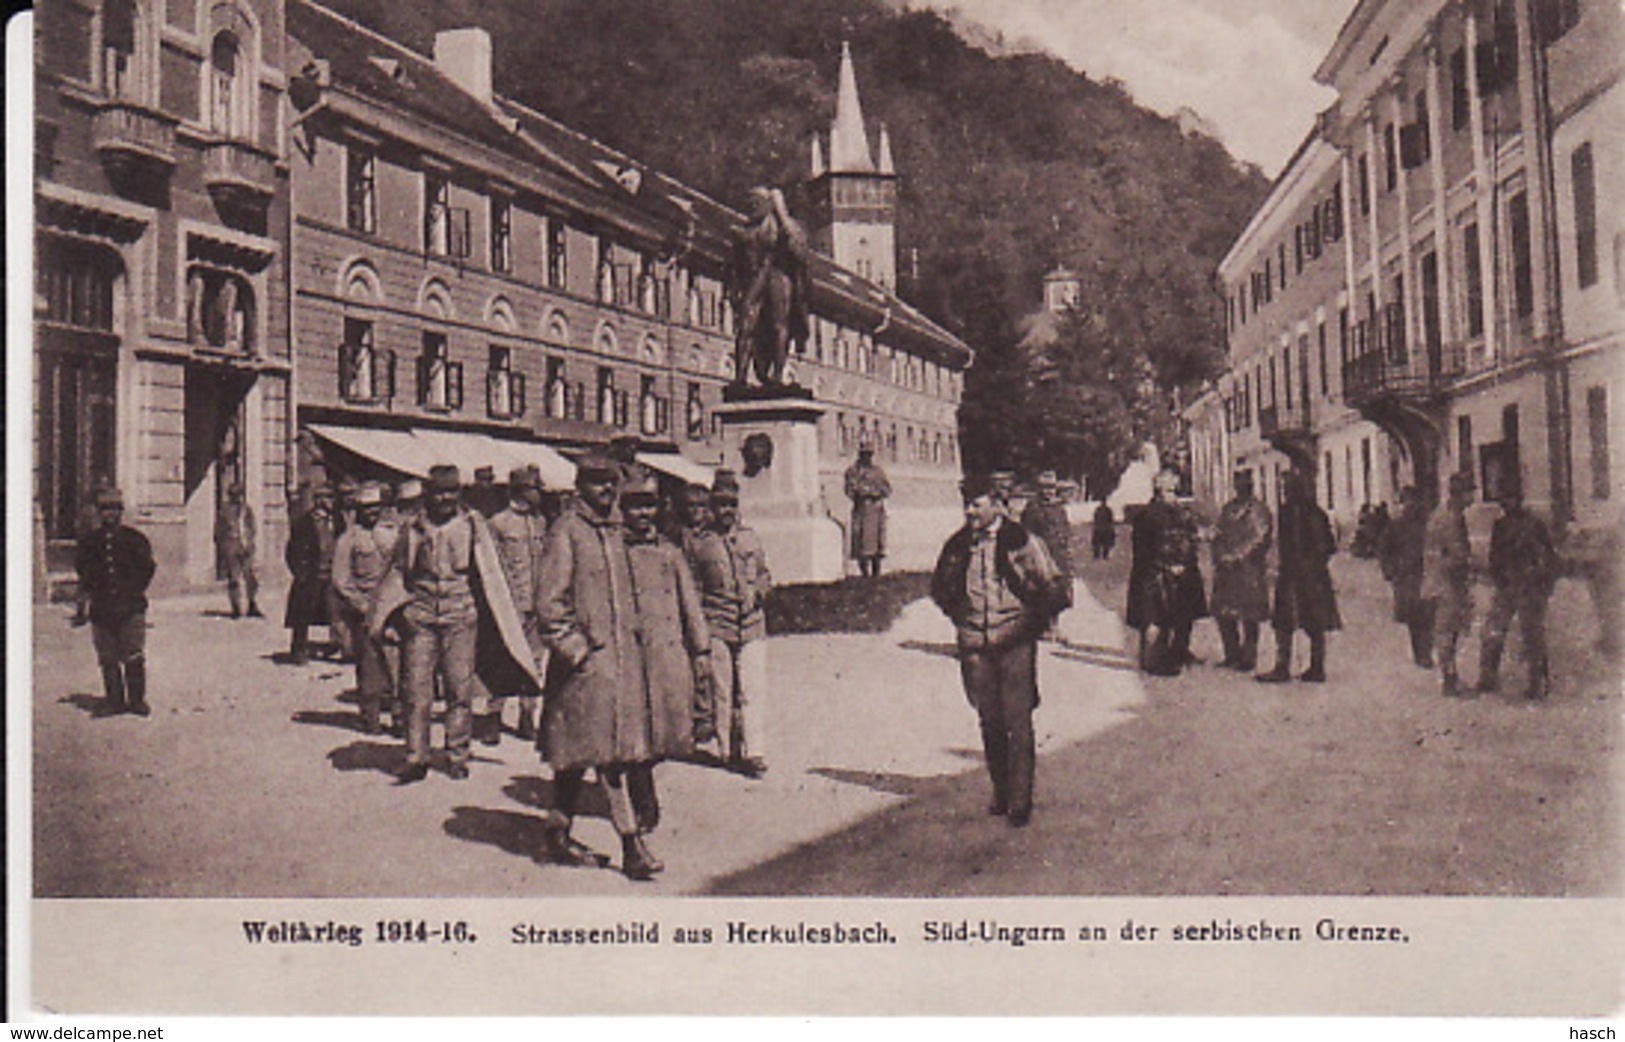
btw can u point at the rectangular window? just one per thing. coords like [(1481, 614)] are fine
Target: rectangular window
[(1280, 252), (1464, 444), (1365, 185), (365, 374), (1460, 92), (1597, 427), (1432, 331), (361, 191), (1390, 157), (1584, 175), (501, 235), (504, 388), (694, 418), (557, 268), (606, 396), (1297, 249), (558, 390), (440, 381), (1331, 502), (1286, 374), (1523, 272), (436, 216), (1473, 267), (1325, 381), (648, 407)]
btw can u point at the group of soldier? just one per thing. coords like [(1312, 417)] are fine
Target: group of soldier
[(1425, 555)]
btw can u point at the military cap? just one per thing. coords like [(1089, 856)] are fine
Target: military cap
[(323, 491), (445, 477), (409, 490), (523, 478), (1048, 477), (485, 474), (976, 485), (640, 487), (1462, 481), (370, 494), (109, 497), (595, 463), (725, 486)]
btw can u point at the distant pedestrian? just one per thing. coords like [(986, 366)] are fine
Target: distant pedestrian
[(1001, 590), (1103, 535), (309, 557), (115, 566), (1241, 596), (1400, 554), (1045, 517), (234, 541), (868, 488), (1165, 591), (1447, 578), (1304, 598), (519, 532), (361, 557), (731, 569), (1523, 568)]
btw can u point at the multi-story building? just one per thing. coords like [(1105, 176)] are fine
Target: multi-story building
[(1463, 178), (466, 266), (161, 348)]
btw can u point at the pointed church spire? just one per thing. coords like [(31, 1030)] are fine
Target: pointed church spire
[(818, 167), (848, 140), (886, 164)]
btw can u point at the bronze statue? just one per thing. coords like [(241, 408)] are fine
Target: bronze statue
[(770, 287)]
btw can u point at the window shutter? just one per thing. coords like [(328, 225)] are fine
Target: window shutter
[(347, 360), (423, 364), (461, 244), (454, 385), (385, 371), (516, 395), (1413, 145)]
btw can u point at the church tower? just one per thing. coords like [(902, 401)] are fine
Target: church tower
[(854, 196)]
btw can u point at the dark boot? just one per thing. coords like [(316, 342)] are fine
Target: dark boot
[(299, 646), (640, 789), (1489, 664), (634, 859), (488, 728), (1249, 647), (371, 719), (995, 746), (1283, 661), (135, 685), (1316, 673), (113, 683), (1422, 644)]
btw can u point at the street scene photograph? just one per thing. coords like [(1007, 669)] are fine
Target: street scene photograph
[(831, 448)]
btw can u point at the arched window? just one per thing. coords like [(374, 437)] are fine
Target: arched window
[(230, 94)]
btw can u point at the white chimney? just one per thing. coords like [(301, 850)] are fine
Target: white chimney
[(464, 56)]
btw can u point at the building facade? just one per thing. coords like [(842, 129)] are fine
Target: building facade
[(468, 266), (161, 360), (1472, 290)]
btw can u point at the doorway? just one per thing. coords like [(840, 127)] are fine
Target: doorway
[(216, 458)]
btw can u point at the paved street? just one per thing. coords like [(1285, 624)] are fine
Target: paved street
[(251, 778)]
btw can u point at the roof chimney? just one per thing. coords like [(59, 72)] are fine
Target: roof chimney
[(464, 57)]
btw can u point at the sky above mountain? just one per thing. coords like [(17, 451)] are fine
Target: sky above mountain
[(1245, 65)]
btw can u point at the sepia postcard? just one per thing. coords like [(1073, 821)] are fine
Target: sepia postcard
[(835, 508)]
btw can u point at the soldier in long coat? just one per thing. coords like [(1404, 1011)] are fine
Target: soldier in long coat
[(309, 557), (1304, 598), (361, 557), (1523, 567), (868, 488), (1165, 580), (595, 713), (674, 641), (1241, 596), (518, 531), (1447, 578), (1399, 550), (1045, 517), (234, 532)]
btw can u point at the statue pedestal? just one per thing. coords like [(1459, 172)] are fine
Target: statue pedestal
[(783, 501)]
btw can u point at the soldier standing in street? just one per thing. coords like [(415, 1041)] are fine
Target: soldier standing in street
[(1104, 535), (234, 540), (115, 565), (1000, 588), (518, 531), (360, 558), (1523, 567), (1165, 580), (868, 488), (1241, 597), (1399, 550), (674, 642), (731, 569), (309, 556), (1447, 578), (1045, 517), (596, 686), (1304, 598)]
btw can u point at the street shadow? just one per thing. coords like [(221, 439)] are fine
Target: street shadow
[(343, 720), (94, 706), (522, 835), (219, 613), (878, 781), (931, 648), (383, 757), (1111, 660), (533, 791)]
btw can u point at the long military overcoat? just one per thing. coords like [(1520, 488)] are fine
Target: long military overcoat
[(671, 632), (1304, 598), (1241, 550)]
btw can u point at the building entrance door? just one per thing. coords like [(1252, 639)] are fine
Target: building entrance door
[(76, 440), (216, 398)]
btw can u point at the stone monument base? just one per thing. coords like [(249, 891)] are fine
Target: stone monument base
[(780, 496)]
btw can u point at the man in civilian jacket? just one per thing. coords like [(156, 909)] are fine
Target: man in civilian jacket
[(1002, 591), (115, 567)]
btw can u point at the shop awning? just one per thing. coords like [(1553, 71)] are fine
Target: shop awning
[(680, 467), (397, 450), (557, 472)]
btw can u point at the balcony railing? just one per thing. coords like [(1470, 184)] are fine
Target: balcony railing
[(1279, 419), (239, 170), (128, 136)]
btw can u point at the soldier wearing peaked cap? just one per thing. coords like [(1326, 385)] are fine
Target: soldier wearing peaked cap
[(868, 487), (361, 557), (1524, 569), (1447, 578), (309, 557), (519, 531), (115, 565)]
